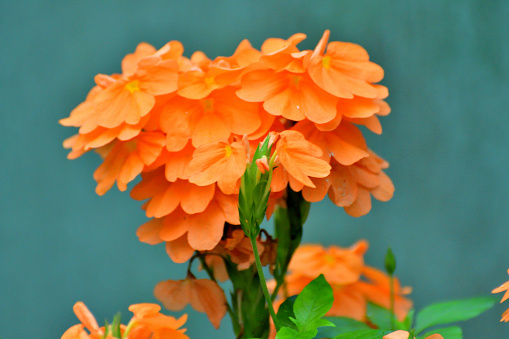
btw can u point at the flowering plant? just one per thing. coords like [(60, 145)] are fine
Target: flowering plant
[(223, 144)]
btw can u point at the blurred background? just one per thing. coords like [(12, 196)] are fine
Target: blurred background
[(447, 69)]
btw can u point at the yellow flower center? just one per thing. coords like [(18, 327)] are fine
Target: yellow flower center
[(208, 105), (227, 151), (329, 259), (209, 81), (326, 62), (133, 86)]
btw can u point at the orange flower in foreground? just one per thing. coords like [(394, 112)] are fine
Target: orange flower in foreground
[(502, 288), (404, 335), (204, 296), (147, 323)]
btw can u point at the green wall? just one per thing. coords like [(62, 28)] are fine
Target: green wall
[(447, 69)]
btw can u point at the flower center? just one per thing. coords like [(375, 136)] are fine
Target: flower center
[(133, 86), (209, 81), (326, 62), (227, 151)]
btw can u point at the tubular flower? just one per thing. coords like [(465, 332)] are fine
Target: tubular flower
[(203, 295), (502, 288), (146, 323), (353, 283)]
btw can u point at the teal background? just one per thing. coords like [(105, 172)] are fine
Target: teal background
[(447, 69)]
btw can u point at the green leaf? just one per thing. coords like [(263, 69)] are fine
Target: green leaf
[(312, 303), (379, 316), (451, 311), (285, 312), (343, 325), (409, 320), (453, 332), (290, 333), (364, 334), (115, 326)]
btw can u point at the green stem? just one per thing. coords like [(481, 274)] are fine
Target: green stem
[(391, 291), (263, 283)]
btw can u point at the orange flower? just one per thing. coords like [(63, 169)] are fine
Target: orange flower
[(146, 323), (126, 160), (291, 95), (207, 120), (220, 162), (351, 187), (188, 232), (345, 70), (300, 158), (501, 288), (128, 99), (204, 296), (344, 269), (338, 265), (400, 334)]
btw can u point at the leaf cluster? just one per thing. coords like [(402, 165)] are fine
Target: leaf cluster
[(430, 320)]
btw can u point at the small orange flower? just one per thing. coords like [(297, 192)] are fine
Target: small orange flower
[(502, 288), (204, 296), (300, 158), (345, 70), (220, 162), (146, 323)]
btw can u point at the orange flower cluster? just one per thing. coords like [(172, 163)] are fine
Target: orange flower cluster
[(353, 283), (502, 288), (190, 125), (147, 323)]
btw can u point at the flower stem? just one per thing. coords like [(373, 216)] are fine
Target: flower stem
[(263, 283)]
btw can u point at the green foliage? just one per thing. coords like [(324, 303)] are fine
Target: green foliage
[(364, 334), (308, 310), (115, 326), (343, 325), (285, 313), (451, 311), (381, 317)]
